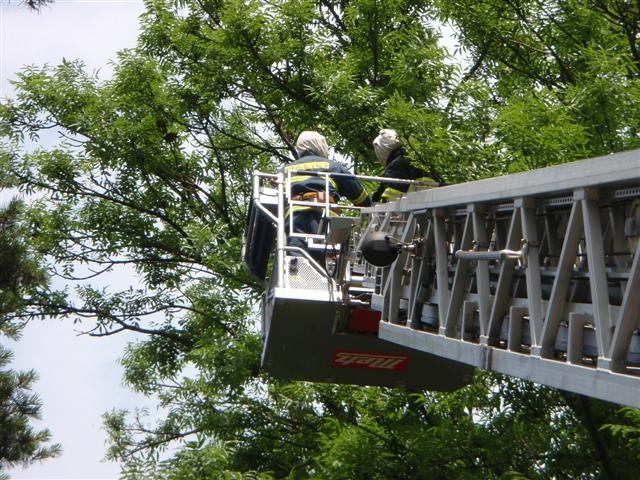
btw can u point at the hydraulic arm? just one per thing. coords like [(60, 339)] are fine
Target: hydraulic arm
[(534, 275)]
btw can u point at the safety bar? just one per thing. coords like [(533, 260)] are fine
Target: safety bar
[(275, 190), (266, 211), (493, 255), (372, 178)]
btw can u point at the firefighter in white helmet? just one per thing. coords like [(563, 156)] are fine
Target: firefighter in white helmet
[(312, 152), (392, 157)]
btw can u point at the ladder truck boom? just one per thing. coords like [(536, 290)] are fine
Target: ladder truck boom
[(535, 275)]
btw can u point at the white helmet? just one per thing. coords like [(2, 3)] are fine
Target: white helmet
[(385, 143), (313, 142)]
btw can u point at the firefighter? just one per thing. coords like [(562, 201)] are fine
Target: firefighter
[(391, 155), (312, 153)]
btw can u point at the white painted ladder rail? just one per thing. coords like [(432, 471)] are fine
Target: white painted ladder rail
[(561, 309)]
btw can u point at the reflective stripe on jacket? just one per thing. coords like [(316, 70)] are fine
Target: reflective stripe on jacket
[(399, 166), (390, 194), (339, 186)]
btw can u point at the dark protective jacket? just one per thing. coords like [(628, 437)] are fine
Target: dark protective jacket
[(339, 186), (398, 166)]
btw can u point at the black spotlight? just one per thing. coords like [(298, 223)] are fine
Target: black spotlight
[(379, 249)]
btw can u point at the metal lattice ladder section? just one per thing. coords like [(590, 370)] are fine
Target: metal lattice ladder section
[(534, 275)]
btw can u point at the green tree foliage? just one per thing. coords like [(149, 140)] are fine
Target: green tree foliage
[(150, 175), (563, 75), (20, 444), (20, 279)]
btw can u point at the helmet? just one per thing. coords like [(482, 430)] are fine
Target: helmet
[(385, 143), (313, 142)]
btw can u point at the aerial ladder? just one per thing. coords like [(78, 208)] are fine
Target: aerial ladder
[(534, 275)]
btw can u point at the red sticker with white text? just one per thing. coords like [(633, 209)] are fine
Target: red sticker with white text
[(373, 361)]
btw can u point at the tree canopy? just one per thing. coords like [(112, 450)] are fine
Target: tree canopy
[(150, 172)]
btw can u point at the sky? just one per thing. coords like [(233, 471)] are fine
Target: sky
[(79, 376)]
